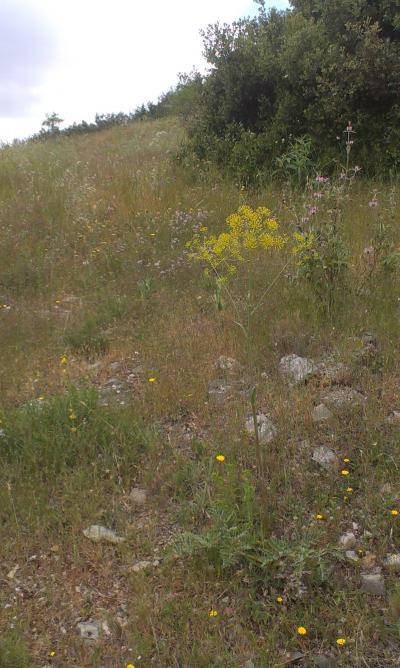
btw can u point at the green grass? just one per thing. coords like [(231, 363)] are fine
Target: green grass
[(97, 289)]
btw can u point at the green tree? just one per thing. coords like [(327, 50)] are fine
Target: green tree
[(51, 123)]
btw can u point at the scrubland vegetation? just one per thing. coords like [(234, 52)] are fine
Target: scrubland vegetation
[(154, 308)]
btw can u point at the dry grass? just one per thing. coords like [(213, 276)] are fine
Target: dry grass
[(93, 266)]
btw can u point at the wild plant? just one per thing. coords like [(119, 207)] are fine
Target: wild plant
[(230, 258)]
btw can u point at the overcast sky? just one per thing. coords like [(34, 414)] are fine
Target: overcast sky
[(86, 56)]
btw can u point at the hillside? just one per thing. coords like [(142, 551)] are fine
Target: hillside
[(129, 381)]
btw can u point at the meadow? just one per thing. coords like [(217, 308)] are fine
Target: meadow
[(128, 375)]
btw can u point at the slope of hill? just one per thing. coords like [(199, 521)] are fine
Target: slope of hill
[(130, 379)]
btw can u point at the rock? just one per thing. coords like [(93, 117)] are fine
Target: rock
[(393, 418), (142, 565), (98, 533), (11, 574), (348, 540), (351, 555), (323, 661), (296, 369), (265, 427), (228, 364), (89, 630), (373, 583), (392, 562), (321, 413), (343, 398), (138, 496), (326, 458)]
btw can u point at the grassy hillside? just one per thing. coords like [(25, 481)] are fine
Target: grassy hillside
[(114, 378)]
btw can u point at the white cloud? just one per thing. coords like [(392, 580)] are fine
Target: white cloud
[(115, 54)]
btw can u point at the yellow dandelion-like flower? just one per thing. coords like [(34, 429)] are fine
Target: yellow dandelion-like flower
[(213, 613), (394, 512), (73, 429), (72, 416), (279, 599), (41, 398), (345, 498), (341, 641), (52, 653), (346, 460), (344, 472), (318, 516), (130, 665), (220, 458), (152, 380), (63, 360), (302, 631), (349, 490)]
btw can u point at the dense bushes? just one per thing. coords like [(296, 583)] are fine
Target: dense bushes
[(302, 74)]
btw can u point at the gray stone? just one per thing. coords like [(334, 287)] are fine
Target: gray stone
[(326, 458), (351, 555), (323, 661), (373, 583), (348, 540), (265, 427), (296, 369), (392, 562), (138, 496), (393, 418), (89, 630), (343, 398), (143, 565), (228, 364), (321, 413), (98, 533)]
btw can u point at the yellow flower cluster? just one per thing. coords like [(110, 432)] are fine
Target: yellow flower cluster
[(248, 230)]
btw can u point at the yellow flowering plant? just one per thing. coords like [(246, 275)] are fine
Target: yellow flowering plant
[(248, 232)]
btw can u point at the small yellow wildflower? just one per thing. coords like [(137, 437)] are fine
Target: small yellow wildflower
[(52, 653), (394, 512), (220, 458), (72, 416), (41, 398), (349, 490), (344, 472), (345, 498), (301, 630), (213, 613), (63, 360), (279, 599), (152, 380), (130, 665), (341, 641), (318, 516), (73, 429), (346, 460)]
